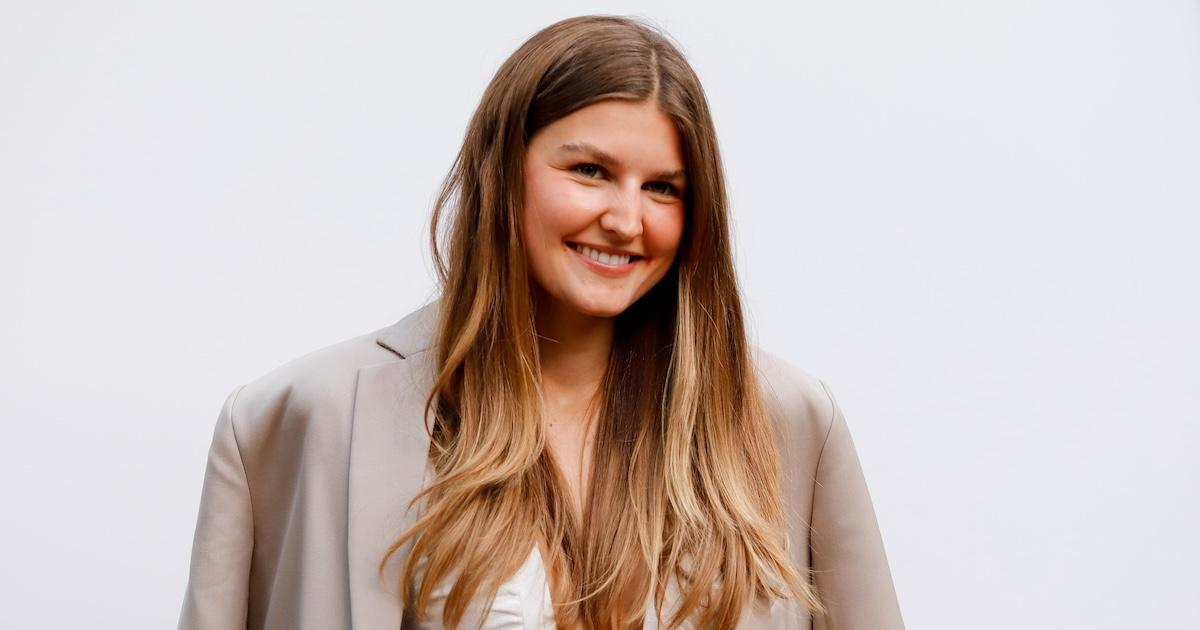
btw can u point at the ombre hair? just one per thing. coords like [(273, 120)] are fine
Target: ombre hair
[(685, 488)]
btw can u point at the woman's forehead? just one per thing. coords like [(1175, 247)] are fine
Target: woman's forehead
[(615, 134)]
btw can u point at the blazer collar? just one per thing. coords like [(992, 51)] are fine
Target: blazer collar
[(413, 333)]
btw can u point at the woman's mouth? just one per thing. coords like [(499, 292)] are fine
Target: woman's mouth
[(603, 258), (604, 264)]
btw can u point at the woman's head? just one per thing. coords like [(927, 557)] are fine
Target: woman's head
[(576, 92), (596, 133)]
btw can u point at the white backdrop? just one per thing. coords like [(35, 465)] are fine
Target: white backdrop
[(977, 221)]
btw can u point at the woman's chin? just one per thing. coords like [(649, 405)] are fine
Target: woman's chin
[(600, 310), (608, 307), (588, 303)]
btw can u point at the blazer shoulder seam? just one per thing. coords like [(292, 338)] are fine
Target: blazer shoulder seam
[(237, 444), (828, 433)]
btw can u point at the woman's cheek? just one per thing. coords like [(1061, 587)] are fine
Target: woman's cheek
[(576, 207), (664, 230)]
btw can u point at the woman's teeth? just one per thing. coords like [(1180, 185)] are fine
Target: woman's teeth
[(614, 260)]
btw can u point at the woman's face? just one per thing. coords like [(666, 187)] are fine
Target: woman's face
[(603, 205)]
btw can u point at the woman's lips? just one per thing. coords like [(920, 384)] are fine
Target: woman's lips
[(609, 270)]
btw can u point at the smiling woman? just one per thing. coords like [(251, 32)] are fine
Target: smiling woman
[(600, 224), (577, 433)]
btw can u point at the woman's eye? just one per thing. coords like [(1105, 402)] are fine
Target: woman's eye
[(588, 170), (664, 188)]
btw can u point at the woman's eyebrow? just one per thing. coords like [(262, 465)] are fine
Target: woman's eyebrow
[(609, 161)]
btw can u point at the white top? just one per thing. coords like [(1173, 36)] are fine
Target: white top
[(522, 602)]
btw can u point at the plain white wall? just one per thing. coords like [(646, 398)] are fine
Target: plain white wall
[(975, 220)]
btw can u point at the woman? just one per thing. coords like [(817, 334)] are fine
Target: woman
[(584, 435)]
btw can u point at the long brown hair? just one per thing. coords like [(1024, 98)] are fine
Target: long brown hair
[(685, 484)]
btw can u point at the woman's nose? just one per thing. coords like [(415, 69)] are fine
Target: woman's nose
[(623, 216)]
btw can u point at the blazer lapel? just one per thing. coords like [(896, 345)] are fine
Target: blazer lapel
[(388, 452)]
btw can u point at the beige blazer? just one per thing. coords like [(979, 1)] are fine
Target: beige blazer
[(311, 466)]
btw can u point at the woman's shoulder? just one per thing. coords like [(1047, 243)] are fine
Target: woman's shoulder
[(801, 403)]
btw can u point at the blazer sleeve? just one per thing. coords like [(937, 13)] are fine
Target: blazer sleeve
[(218, 582), (850, 568)]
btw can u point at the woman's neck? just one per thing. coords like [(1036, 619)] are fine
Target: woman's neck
[(573, 348)]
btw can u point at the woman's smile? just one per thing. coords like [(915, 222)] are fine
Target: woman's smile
[(604, 261)]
